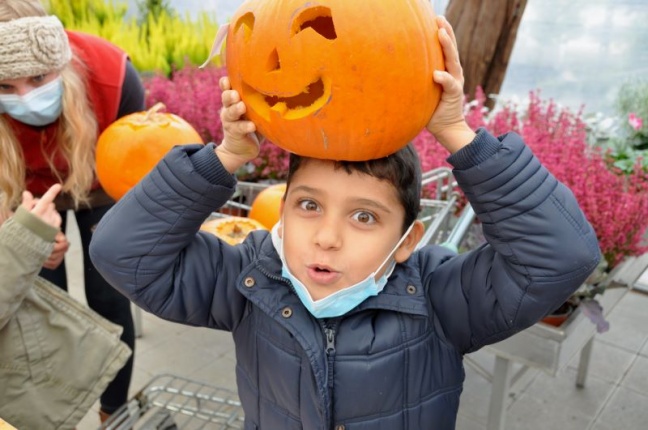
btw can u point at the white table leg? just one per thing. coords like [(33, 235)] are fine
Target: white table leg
[(499, 391), (137, 320), (583, 363)]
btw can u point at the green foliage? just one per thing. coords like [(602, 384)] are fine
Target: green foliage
[(624, 136), (154, 7), (632, 104), (159, 41)]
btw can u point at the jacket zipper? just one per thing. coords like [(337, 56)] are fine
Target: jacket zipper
[(329, 333), (330, 330)]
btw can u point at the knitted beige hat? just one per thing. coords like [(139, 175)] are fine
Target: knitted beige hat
[(32, 46)]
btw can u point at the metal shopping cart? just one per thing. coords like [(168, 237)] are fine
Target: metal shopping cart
[(170, 402)]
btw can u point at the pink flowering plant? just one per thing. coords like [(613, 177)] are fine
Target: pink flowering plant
[(615, 202), (194, 95)]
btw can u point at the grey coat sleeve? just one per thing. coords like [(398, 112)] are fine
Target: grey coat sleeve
[(148, 246), (540, 247), (25, 244)]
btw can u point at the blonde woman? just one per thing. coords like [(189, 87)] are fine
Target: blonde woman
[(58, 90)]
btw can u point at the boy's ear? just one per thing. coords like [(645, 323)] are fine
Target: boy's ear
[(409, 244)]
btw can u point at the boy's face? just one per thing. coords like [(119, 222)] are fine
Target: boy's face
[(339, 227)]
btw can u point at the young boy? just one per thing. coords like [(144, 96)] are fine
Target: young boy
[(338, 323)]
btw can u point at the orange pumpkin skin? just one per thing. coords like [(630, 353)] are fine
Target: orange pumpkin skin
[(266, 207), (130, 147), (336, 79), (232, 230)]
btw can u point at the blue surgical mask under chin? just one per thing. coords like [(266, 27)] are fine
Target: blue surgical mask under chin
[(342, 301), (38, 107)]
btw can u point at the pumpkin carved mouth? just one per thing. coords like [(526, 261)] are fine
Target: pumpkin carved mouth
[(311, 99)]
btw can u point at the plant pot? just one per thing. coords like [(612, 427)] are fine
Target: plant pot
[(560, 315)]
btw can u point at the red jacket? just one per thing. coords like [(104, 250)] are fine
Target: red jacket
[(104, 66)]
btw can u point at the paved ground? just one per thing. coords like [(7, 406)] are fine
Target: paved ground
[(615, 396)]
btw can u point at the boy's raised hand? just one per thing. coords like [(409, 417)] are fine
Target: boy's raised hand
[(448, 124), (240, 142), (45, 209)]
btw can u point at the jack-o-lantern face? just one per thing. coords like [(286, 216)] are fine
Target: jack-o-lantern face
[(336, 79)]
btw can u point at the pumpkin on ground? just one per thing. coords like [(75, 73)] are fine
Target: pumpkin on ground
[(266, 207), (231, 229), (130, 147), (336, 79)]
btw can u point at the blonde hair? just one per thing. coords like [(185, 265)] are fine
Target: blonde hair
[(76, 134)]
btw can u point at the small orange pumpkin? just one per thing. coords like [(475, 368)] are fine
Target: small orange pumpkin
[(336, 79), (232, 230), (129, 148), (266, 207)]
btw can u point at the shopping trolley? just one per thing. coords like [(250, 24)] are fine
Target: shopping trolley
[(170, 402)]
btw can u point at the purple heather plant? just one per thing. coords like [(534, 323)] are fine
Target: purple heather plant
[(616, 204), (192, 94), (614, 201)]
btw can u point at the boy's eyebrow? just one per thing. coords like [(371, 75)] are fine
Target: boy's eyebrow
[(360, 201), (374, 204)]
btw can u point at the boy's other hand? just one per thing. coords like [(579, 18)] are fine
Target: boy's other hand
[(44, 207), (241, 141), (448, 124), (61, 246)]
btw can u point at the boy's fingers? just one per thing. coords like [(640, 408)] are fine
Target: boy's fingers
[(240, 128), (224, 83), (48, 197), (27, 200), (230, 97), (450, 53), (450, 30), (233, 113)]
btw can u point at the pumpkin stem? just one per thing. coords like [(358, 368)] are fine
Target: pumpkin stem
[(157, 107)]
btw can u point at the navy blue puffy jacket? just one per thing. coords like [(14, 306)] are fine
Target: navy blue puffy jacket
[(394, 362)]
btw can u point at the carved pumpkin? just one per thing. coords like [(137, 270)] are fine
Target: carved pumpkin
[(232, 230), (130, 147), (336, 79), (266, 207)]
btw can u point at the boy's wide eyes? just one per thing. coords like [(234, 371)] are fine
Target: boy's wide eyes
[(361, 216), (364, 217), (308, 205)]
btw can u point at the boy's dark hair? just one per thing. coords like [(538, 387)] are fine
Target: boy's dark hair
[(402, 169)]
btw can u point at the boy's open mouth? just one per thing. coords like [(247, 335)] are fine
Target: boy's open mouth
[(323, 274)]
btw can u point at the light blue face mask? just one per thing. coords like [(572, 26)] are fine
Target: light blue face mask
[(38, 107), (342, 301)]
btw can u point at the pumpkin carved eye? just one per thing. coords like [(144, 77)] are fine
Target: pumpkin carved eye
[(245, 22), (318, 19)]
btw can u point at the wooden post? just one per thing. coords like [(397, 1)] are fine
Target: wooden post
[(486, 33)]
